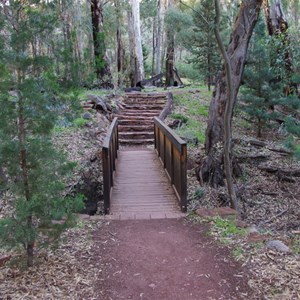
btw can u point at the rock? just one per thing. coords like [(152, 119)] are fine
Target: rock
[(252, 229), (278, 246), (175, 124), (108, 106), (87, 116), (98, 103)]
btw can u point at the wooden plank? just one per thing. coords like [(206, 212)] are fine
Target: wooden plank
[(141, 185)]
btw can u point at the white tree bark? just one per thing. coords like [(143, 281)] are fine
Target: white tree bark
[(159, 37), (135, 7)]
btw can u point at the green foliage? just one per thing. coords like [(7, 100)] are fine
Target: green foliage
[(265, 80), (181, 117), (227, 228), (192, 127), (199, 192), (202, 43), (80, 122), (190, 71), (32, 101)]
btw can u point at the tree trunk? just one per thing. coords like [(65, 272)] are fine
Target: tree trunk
[(212, 166), (101, 61), (158, 38), (170, 53), (139, 63), (131, 41), (296, 13), (278, 28), (120, 46), (25, 172), (228, 111), (135, 44)]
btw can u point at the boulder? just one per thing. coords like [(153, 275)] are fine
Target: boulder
[(278, 246), (98, 103)]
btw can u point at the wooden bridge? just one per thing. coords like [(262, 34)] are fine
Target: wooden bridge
[(143, 182)]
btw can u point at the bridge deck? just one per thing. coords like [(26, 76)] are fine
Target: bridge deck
[(141, 188)]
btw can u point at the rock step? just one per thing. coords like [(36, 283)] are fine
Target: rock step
[(133, 117), (141, 113), (136, 135), (145, 101), (144, 106), (135, 128), (141, 122), (146, 95), (136, 142)]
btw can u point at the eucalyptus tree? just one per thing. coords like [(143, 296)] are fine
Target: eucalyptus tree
[(137, 72), (212, 166), (102, 66)]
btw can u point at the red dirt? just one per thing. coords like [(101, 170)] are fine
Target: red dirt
[(165, 259)]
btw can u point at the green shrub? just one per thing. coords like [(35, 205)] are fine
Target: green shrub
[(181, 117), (80, 122)]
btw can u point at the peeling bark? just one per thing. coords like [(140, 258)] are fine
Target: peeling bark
[(212, 166)]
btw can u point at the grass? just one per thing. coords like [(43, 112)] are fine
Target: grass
[(227, 228), (193, 111), (80, 122)]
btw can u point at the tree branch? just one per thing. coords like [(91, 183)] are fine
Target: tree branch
[(228, 110)]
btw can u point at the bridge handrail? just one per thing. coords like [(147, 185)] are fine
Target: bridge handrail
[(109, 154), (172, 151)]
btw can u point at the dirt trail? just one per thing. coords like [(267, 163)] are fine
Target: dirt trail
[(163, 260)]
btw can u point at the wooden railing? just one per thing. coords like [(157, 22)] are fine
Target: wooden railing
[(172, 151), (109, 155)]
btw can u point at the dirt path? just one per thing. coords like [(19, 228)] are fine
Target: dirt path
[(163, 260)]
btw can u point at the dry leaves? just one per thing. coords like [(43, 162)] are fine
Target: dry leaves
[(70, 272)]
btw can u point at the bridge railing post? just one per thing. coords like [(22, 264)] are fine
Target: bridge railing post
[(109, 155), (173, 155)]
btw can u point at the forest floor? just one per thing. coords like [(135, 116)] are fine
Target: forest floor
[(80, 267)]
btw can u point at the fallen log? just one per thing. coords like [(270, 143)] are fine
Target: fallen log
[(168, 108), (249, 157), (258, 143), (277, 170), (152, 81)]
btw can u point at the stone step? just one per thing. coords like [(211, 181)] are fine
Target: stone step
[(135, 128), (144, 106), (136, 135)]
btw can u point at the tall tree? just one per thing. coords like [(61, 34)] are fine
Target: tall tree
[(202, 43), (135, 43), (170, 54), (212, 166), (278, 30), (159, 37), (30, 98), (101, 61), (120, 45)]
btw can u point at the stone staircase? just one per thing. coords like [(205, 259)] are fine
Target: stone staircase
[(136, 119)]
